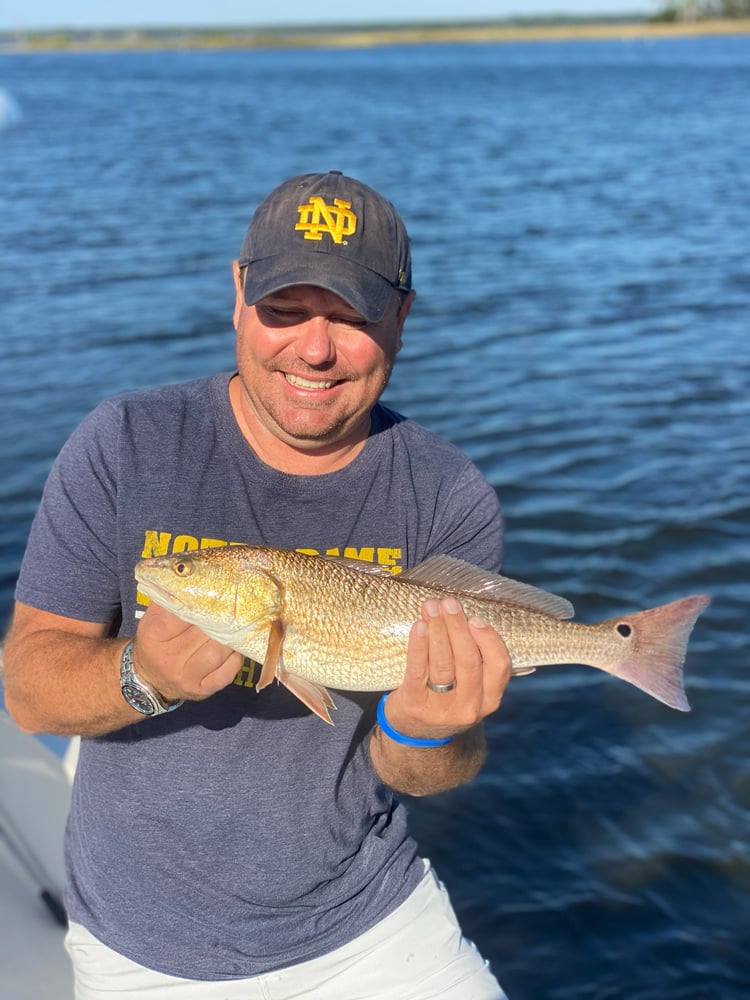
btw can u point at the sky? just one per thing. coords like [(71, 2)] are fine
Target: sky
[(30, 14)]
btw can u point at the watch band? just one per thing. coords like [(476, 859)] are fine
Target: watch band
[(137, 693)]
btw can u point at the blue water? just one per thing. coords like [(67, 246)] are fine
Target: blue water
[(580, 217)]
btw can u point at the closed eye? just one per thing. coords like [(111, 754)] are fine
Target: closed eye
[(281, 315), (355, 322)]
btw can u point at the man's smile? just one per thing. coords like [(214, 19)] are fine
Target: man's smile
[(305, 383)]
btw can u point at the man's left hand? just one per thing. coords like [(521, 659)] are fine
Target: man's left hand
[(447, 648)]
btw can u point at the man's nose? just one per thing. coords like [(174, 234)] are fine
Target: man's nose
[(315, 344)]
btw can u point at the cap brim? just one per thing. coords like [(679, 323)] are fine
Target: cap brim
[(363, 289)]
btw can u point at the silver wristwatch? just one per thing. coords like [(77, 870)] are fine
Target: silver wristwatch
[(139, 695)]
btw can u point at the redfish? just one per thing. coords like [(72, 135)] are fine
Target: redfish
[(316, 622)]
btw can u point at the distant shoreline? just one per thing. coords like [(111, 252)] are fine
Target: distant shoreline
[(161, 39)]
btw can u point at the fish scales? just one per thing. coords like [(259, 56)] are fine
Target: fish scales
[(317, 622), (357, 639), (349, 628)]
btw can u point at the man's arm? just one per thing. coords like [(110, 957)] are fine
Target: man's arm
[(427, 772), (62, 675), (444, 647)]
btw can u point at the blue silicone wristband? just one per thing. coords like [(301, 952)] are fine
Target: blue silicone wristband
[(408, 741)]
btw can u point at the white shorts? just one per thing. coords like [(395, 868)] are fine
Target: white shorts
[(416, 953)]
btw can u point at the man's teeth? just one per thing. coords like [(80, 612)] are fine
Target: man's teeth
[(306, 383)]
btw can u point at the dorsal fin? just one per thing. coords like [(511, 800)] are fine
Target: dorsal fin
[(459, 577)]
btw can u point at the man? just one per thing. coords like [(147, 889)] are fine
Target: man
[(224, 842)]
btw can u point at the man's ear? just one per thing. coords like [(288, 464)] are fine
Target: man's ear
[(239, 300), (402, 314)]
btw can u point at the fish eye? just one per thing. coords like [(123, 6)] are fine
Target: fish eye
[(624, 630), (183, 568)]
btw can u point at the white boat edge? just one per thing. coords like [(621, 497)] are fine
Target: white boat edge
[(35, 788)]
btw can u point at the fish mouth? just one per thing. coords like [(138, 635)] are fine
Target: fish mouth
[(159, 594), (300, 382)]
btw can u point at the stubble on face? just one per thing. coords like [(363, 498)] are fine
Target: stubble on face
[(311, 369)]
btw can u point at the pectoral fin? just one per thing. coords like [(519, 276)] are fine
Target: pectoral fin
[(273, 654), (314, 696)]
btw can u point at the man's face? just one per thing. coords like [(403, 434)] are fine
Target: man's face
[(311, 367)]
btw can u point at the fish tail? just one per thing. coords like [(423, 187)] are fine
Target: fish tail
[(656, 644)]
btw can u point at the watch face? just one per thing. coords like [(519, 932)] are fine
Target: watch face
[(137, 698)]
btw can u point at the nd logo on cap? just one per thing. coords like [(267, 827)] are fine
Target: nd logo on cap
[(316, 218), (332, 232)]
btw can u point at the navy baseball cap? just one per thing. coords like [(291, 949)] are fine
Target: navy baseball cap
[(330, 231)]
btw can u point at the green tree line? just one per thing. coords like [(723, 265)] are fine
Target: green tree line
[(696, 10)]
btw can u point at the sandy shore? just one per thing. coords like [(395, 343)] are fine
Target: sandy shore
[(351, 37)]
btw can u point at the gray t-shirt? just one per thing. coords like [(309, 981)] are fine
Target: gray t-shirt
[(239, 834)]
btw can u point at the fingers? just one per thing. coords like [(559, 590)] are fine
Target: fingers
[(469, 652), (179, 660), (495, 656), (452, 649), (466, 655)]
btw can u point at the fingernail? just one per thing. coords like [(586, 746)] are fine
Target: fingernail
[(420, 628), (477, 623), (451, 605), (432, 608)]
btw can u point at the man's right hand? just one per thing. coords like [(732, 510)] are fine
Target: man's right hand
[(179, 660)]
